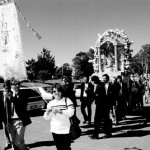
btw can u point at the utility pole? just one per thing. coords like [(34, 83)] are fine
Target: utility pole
[(62, 70)]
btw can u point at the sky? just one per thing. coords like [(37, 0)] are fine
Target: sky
[(68, 27)]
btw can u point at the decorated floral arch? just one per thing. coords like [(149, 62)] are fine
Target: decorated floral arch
[(113, 36), (111, 52)]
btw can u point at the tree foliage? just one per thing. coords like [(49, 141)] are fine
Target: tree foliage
[(43, 68), (64, 70), (81, 65), (31, 69), (141, 61), (135, 66)]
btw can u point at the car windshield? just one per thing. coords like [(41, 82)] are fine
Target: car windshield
[(32, 95), (48, 89)]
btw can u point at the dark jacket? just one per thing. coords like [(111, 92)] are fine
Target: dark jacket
[(110, 96), (124, 95), (89, 91), (69, 92), (100, 95), (20, 104)]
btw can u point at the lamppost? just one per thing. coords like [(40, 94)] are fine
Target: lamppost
[(62, 70)]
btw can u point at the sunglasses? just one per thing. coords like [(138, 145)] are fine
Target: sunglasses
[(56, 91)]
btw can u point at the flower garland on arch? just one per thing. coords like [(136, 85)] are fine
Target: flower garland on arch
[(114, 34)]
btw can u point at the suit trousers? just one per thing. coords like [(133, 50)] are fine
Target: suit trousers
[(8, 141), (17, 131), (102, 114), (86, 103)]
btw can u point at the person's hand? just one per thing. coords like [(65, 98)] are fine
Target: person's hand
[(57, 111), (48, 111)]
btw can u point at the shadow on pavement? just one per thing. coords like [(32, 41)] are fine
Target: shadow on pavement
[(130, 127), (134, 148), (41, 143), (132, 133)]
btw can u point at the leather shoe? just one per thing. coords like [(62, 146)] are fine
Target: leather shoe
[(85, 121), (7, 146), (144, 123), (89, 122), (93, 136), (117, 123)]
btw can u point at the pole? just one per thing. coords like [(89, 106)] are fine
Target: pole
[(62, 70), (7, 123)]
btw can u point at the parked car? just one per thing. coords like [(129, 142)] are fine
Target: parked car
[(46, 93), (34, 99)]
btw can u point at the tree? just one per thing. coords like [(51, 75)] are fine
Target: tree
[(42, 75), (142, 59), (135, 66), (90, 54), (81, 65), (44, 68), (64, 70), (31, 69), (145, 54)]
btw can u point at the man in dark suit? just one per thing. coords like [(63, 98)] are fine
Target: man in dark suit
[(102, 109), (68, 90), (15, 116), (108, 104), (87, 90), (122, 98)]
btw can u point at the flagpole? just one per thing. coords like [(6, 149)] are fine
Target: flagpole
[(6, 109)]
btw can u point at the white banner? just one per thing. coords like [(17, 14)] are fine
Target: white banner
[(12, 64)]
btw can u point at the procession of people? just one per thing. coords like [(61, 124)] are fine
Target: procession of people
[(103, 87), (112, 97)]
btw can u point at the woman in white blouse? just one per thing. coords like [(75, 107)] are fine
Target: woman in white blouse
[(59, 112)]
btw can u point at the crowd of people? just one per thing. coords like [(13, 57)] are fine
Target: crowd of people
[(112, 97)]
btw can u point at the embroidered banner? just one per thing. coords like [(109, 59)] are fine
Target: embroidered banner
[(12, 64)]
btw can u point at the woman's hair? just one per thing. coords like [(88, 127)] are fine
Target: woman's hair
[(58, 87)]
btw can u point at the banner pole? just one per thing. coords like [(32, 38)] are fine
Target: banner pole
[(7, 124)]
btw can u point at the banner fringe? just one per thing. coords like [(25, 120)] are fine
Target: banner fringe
[(38, 36)]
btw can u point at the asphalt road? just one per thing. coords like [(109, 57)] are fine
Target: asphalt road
[(129, 135)]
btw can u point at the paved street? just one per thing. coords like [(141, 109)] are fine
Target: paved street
[(129, 135)]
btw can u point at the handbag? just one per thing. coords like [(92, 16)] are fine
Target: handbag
[(75, 131)]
